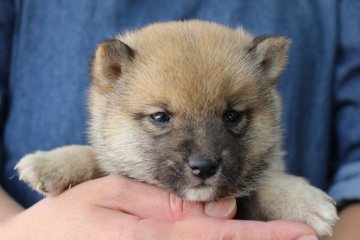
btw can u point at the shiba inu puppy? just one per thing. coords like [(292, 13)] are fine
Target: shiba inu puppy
[(191, 107)]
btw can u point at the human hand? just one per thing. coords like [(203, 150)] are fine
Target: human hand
[(348, 226), (119, 208)]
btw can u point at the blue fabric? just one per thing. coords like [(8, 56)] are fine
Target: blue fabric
[(45, 47)]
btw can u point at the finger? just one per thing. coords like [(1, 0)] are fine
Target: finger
[(148, 201), (206, 228), (224, 208)]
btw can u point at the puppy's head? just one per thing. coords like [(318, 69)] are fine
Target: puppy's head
[(188, 106)]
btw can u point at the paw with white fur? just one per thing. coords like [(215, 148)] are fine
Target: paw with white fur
[(35, 169), (57, 170), (286, 197), (317, 209)]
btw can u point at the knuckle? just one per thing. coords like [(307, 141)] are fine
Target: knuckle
[(105, 186), (113, 182), (229, 235)]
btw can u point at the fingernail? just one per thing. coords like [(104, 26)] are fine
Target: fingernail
[(309, 237), (222, 208)]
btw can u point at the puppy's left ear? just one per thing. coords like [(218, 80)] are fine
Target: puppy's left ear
[(270, 54)]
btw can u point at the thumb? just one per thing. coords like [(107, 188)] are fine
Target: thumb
[(148, 201), (224, 208), (182, 209)]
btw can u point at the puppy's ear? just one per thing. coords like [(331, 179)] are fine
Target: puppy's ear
[(111, 58), (270, 54)]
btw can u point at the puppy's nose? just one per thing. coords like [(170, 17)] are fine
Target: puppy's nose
[(203, 166)]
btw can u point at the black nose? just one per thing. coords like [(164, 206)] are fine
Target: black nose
[(203, 166)]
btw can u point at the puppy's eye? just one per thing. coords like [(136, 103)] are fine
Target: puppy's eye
[(232, 116), (160, 117)]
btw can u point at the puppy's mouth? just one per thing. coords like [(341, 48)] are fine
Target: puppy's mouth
[(201, 185), (200, 189), (202, 192)]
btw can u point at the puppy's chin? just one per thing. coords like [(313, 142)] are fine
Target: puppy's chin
[(199, 194)]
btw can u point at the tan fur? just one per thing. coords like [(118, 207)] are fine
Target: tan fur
[(54, 171), (215, 55), (195, 71)]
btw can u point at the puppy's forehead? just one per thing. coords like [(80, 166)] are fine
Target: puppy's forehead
[(193, 66)]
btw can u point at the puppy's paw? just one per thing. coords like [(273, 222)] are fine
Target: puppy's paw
[(57, 170), (39, 170), (286, 197), (316, 209)]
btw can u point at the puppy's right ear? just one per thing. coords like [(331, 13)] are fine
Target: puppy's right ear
[(111, 58)]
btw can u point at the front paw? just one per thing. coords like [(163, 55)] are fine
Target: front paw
[(286, 197), (56, 170), (40, 171), (316, 209)]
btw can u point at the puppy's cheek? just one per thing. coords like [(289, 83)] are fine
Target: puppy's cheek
[(232, 180), (171, 176), (228, 186)]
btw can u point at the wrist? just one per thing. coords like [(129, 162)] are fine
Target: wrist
[(8, 207), (347, 227)]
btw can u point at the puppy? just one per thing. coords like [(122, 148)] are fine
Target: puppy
[(191, 107)]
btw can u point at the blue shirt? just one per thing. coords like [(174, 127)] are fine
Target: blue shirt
[(45, 47)]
